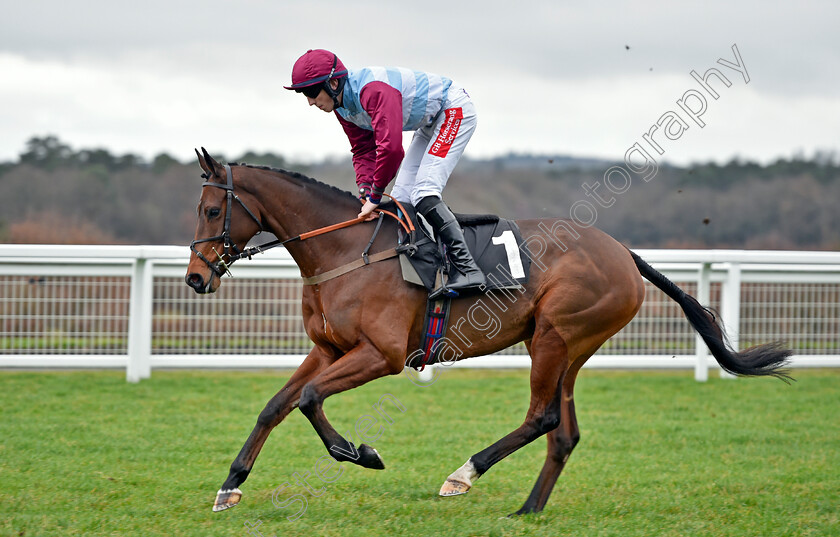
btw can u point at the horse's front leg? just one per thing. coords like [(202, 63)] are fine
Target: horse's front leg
[(274, 412), (359, 366)]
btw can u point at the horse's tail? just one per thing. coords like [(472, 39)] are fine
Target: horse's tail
[(761, 360)]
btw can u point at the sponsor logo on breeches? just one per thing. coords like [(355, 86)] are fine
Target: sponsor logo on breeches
[(448, 132)]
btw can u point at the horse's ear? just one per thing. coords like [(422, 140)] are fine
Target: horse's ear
[(203, 163), (213, 166)]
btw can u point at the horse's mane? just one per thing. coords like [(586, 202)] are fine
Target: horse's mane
[(463, 219), (302, 178)]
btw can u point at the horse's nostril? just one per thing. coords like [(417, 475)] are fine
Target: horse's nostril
[(195, 280)]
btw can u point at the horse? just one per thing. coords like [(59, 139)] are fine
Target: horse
[(584, 287)]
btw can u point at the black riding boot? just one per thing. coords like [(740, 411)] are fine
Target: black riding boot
[(466, 274)]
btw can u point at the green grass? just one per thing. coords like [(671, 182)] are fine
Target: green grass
[(85, 453)]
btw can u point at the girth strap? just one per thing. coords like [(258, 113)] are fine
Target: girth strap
[(353, 265)]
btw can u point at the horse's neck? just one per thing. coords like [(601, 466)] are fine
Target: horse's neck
[(295, 206)]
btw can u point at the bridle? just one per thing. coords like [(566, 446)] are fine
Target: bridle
[(230, 250)]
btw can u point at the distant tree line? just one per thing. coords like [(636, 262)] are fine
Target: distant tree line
[(55, 194)]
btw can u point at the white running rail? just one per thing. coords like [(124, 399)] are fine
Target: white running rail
[(128, 306)]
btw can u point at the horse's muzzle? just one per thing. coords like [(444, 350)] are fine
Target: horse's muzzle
[(196, 281)]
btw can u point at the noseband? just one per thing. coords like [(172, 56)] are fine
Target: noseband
[(231, 252)]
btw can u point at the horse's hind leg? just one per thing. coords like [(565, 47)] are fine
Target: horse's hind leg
[(277, 408), (561, 442), (549, 361)]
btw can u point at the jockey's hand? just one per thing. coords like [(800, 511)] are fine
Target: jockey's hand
[(364, 191), (367, 211)]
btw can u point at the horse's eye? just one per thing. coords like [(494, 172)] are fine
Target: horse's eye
[(213, 212)]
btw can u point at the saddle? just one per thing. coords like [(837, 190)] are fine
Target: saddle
[(495, 243)]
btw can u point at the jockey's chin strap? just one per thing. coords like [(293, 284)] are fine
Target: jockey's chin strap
[(226, 258)]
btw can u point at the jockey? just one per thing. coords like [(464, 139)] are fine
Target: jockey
[(374, 105)]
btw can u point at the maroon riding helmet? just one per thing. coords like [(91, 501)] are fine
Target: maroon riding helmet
[(313, 71)]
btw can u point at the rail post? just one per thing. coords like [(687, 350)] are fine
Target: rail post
[(138, 365), (701, 365), (731, 309)]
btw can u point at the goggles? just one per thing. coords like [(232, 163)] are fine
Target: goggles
[(311, 91)]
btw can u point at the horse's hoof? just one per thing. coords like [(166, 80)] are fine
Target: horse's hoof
[(523, 511), (225, 499), (369, 458), (460, 481), (452, 487)]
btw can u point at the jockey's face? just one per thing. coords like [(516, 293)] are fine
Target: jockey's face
[(323, 100)]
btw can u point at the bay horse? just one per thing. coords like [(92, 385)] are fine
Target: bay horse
[(584, 287)]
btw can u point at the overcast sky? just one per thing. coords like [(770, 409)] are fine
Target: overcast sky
[(547, 76)]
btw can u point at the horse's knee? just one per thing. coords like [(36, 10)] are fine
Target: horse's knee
[(265, 418), (268, 416), (309, 400), (547, 422)]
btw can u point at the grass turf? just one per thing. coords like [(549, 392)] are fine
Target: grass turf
[(85, 453)]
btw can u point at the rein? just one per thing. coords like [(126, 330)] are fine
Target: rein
[(221, 267)]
